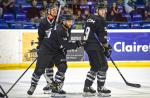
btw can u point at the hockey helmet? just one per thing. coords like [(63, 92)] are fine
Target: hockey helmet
[(67, 17), (100, 5), (52, 5)]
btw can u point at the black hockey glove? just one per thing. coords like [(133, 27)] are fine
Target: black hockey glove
[(108, 50), (64, 51), (80, 43)]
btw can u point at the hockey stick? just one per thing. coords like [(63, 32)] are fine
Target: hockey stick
[(127, 83), (4, 94), (62, 4), (19, 78)]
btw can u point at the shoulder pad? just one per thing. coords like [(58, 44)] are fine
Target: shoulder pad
[(91, 19)]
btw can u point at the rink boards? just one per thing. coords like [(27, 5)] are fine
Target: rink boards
[(131, 48), (85, 64)]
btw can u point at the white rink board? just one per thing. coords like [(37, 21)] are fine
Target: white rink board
[(11, 43), (10, 46)]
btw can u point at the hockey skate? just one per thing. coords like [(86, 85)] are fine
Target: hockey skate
[(88, 91), (31, 90), (47, 89), (57, 91), (103, 92)]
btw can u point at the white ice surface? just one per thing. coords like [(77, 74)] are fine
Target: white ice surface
[(74, 83)]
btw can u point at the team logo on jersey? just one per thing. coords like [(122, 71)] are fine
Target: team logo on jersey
[(64, 38), (91, 20), (48, 33), (61, 46)]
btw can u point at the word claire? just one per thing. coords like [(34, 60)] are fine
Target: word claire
[(134, 47)]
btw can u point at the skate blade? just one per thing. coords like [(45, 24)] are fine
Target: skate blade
[(88, 94), (47, 92), (104, 94), (56, 95), (30, 93)]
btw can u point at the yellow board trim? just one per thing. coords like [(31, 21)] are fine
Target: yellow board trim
[(131, 64)]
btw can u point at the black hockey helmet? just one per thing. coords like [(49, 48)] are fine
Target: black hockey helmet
[(52, 5), (67, 17), (100, 5)]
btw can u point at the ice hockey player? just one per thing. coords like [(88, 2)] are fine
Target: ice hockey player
[(62, 38), (94, 31), (44, 30), (52, 49)]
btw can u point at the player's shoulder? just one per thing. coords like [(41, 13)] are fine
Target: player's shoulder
[(59, 27), (91, 19), (99, 18), (43, 21), (94, 18)]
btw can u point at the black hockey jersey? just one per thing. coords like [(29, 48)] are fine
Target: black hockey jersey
[(44, 28), (95, 24), (59, 39)]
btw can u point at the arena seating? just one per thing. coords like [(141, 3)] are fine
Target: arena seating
[(136, 26), (21, 17), (20, 21), (127, 16), (137, 17), (29, 26), (112, 25), (4, 26), (25, 7), (146, 26), (9, 17), (16, 26), (124, 26)]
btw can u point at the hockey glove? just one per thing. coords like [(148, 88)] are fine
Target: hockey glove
[(64, 51), (108, 50), (80, 43)]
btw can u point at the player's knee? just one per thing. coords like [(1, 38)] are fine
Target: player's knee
[(104, 68), (95, 68), (101, 73), (62, 67), (49, 70), (39, 71)]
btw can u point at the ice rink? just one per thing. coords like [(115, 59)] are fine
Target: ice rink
[(74, 83)]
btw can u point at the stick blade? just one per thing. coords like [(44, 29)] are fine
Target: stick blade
[(1, 95), (134, 85), (62, 2)]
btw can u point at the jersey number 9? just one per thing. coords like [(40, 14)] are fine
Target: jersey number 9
[(86, 33)]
